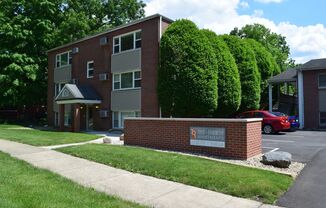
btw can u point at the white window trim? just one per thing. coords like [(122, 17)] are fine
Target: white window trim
[(119, 118), (321, 87), (58, 56), (119, 37), (89, 69), (59, 89), (133, 80), (321, 124)]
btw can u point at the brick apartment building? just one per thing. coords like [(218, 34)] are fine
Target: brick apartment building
[(309, 80), (96, 82)]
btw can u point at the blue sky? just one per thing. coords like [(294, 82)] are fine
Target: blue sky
[(302, 22), (298, 12)]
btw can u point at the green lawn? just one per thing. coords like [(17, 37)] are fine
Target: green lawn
[(23, 186), (265, 186), (41, 138)]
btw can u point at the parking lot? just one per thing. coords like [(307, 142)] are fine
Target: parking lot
[(303, 145), (308, 147)]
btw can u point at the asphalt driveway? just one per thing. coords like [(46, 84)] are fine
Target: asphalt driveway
[(303, 145), (309, 190)]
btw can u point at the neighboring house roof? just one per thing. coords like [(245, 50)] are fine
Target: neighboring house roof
[(78, 94), (289, 75), (313, 64), (114, 29)]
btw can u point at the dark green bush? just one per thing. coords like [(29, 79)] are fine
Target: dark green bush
[(248, 70), (187, 81), (229, 88), (267, 66)]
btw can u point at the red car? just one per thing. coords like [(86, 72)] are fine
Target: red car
[(271, 123)]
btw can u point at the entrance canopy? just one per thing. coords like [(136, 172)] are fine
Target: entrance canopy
[(72, 93), (289, 75)]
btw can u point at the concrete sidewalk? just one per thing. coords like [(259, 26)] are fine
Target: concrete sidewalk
[(130, 186)]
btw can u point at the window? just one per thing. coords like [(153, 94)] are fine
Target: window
[(63, 59), (127, 42), (116, 45), (137, 40), (67, 119), (322, 81), (119, 116), (322, 117), (258, 115), (56, 119), (116, 81), (245, 115), (127, 80), (137, 79), (57, 88), (115, 119), (90, 69)]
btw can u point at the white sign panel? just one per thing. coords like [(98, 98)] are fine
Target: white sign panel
[(207, 136)]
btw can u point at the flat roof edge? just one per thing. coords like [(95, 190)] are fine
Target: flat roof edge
[(282, 80), (111, 30)]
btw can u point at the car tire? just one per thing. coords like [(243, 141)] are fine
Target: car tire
[(268, 129)]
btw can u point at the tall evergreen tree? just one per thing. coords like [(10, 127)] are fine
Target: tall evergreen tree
[(229, 88), (248, 70), (187, 82), (267, 66)]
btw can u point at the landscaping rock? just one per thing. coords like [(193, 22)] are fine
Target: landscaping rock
[(277, 159), (107, 141)]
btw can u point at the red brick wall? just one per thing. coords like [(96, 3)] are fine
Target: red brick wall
[(243, 137), (91, 49), (311, 99)]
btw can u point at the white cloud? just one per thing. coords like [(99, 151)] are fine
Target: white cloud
[(244, 5), (258, 13), (221, 16), (269, 1)]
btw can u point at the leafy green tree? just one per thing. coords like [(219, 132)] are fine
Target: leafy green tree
[(248, 70), (187, 81), (229, 88), (274, 43), (267, 66), (28, 28)]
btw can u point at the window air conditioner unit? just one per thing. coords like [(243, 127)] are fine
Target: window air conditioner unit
[(74, 81), (103, 41), (104, 114), (75, 50), (103, 76)]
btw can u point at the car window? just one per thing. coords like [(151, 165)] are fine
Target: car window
[(258, 115), (245, 115)]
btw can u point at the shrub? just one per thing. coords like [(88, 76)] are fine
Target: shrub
[(248, 71), (187, 81), (267, 66), (229, 88)]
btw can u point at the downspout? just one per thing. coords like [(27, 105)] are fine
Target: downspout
[(159, 41)]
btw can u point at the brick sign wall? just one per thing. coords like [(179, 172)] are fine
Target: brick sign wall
[(234, 138)]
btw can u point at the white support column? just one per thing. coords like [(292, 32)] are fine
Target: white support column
[(300, 99), (270, 97)]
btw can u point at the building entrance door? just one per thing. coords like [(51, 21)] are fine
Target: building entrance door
[(89, 118)]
